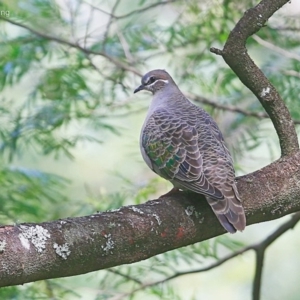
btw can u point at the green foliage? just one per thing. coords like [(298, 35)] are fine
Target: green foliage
[(18, 57), (29, 195), (46, 289), (127, 279)]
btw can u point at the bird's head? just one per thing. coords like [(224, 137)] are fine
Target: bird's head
[(154, 81)]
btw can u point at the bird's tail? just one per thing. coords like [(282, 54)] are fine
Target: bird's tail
[(229, 210)]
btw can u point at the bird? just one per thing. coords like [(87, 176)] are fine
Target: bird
[(182, 143)]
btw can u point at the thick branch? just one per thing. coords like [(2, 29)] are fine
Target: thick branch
[(236, 56), (31, 252)]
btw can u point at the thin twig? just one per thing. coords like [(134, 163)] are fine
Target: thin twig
[(75, 45), (144, 9), (99, 9), (128, 277), (260, 255), (275, 48), (109, 23), (259, 115), (291, 73), (125, 47), (261, 248), (87, 27), (216, 51), (178, 274), (288, 28), (258, 248), (103, 75), (232, 108), (134, 11)]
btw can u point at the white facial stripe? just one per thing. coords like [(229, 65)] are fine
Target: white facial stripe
[(165, 81)]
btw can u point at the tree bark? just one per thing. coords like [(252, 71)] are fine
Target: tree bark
[(30, 252), (236, 56)]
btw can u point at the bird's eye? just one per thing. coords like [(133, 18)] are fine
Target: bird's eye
[(151, 80)]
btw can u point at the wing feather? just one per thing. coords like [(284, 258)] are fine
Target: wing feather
[(171, 145)]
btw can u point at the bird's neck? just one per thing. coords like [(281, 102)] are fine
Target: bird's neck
[(168, 97)]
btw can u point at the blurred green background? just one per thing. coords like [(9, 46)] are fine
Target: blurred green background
[(70, 125)]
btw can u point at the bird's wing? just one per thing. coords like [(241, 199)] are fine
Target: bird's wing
[(171, 145), (220, 173)]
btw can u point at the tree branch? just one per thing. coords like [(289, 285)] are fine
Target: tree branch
[(179, 274), (143, 9), (275, 48), (236, 56), (258, 248), (261, 248), (109, 23), (291, 73), (232, 108), (129, 68), (115, 61), (72, 246)]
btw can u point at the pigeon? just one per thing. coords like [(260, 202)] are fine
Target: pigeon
[(182, 143)]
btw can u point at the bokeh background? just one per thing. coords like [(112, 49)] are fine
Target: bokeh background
[(70, 125)]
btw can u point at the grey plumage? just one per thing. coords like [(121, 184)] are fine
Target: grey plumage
[(183, 144)]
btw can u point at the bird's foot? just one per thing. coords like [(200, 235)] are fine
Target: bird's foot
[(174, 190)]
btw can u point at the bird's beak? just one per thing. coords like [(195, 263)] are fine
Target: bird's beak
[(140, 88)]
